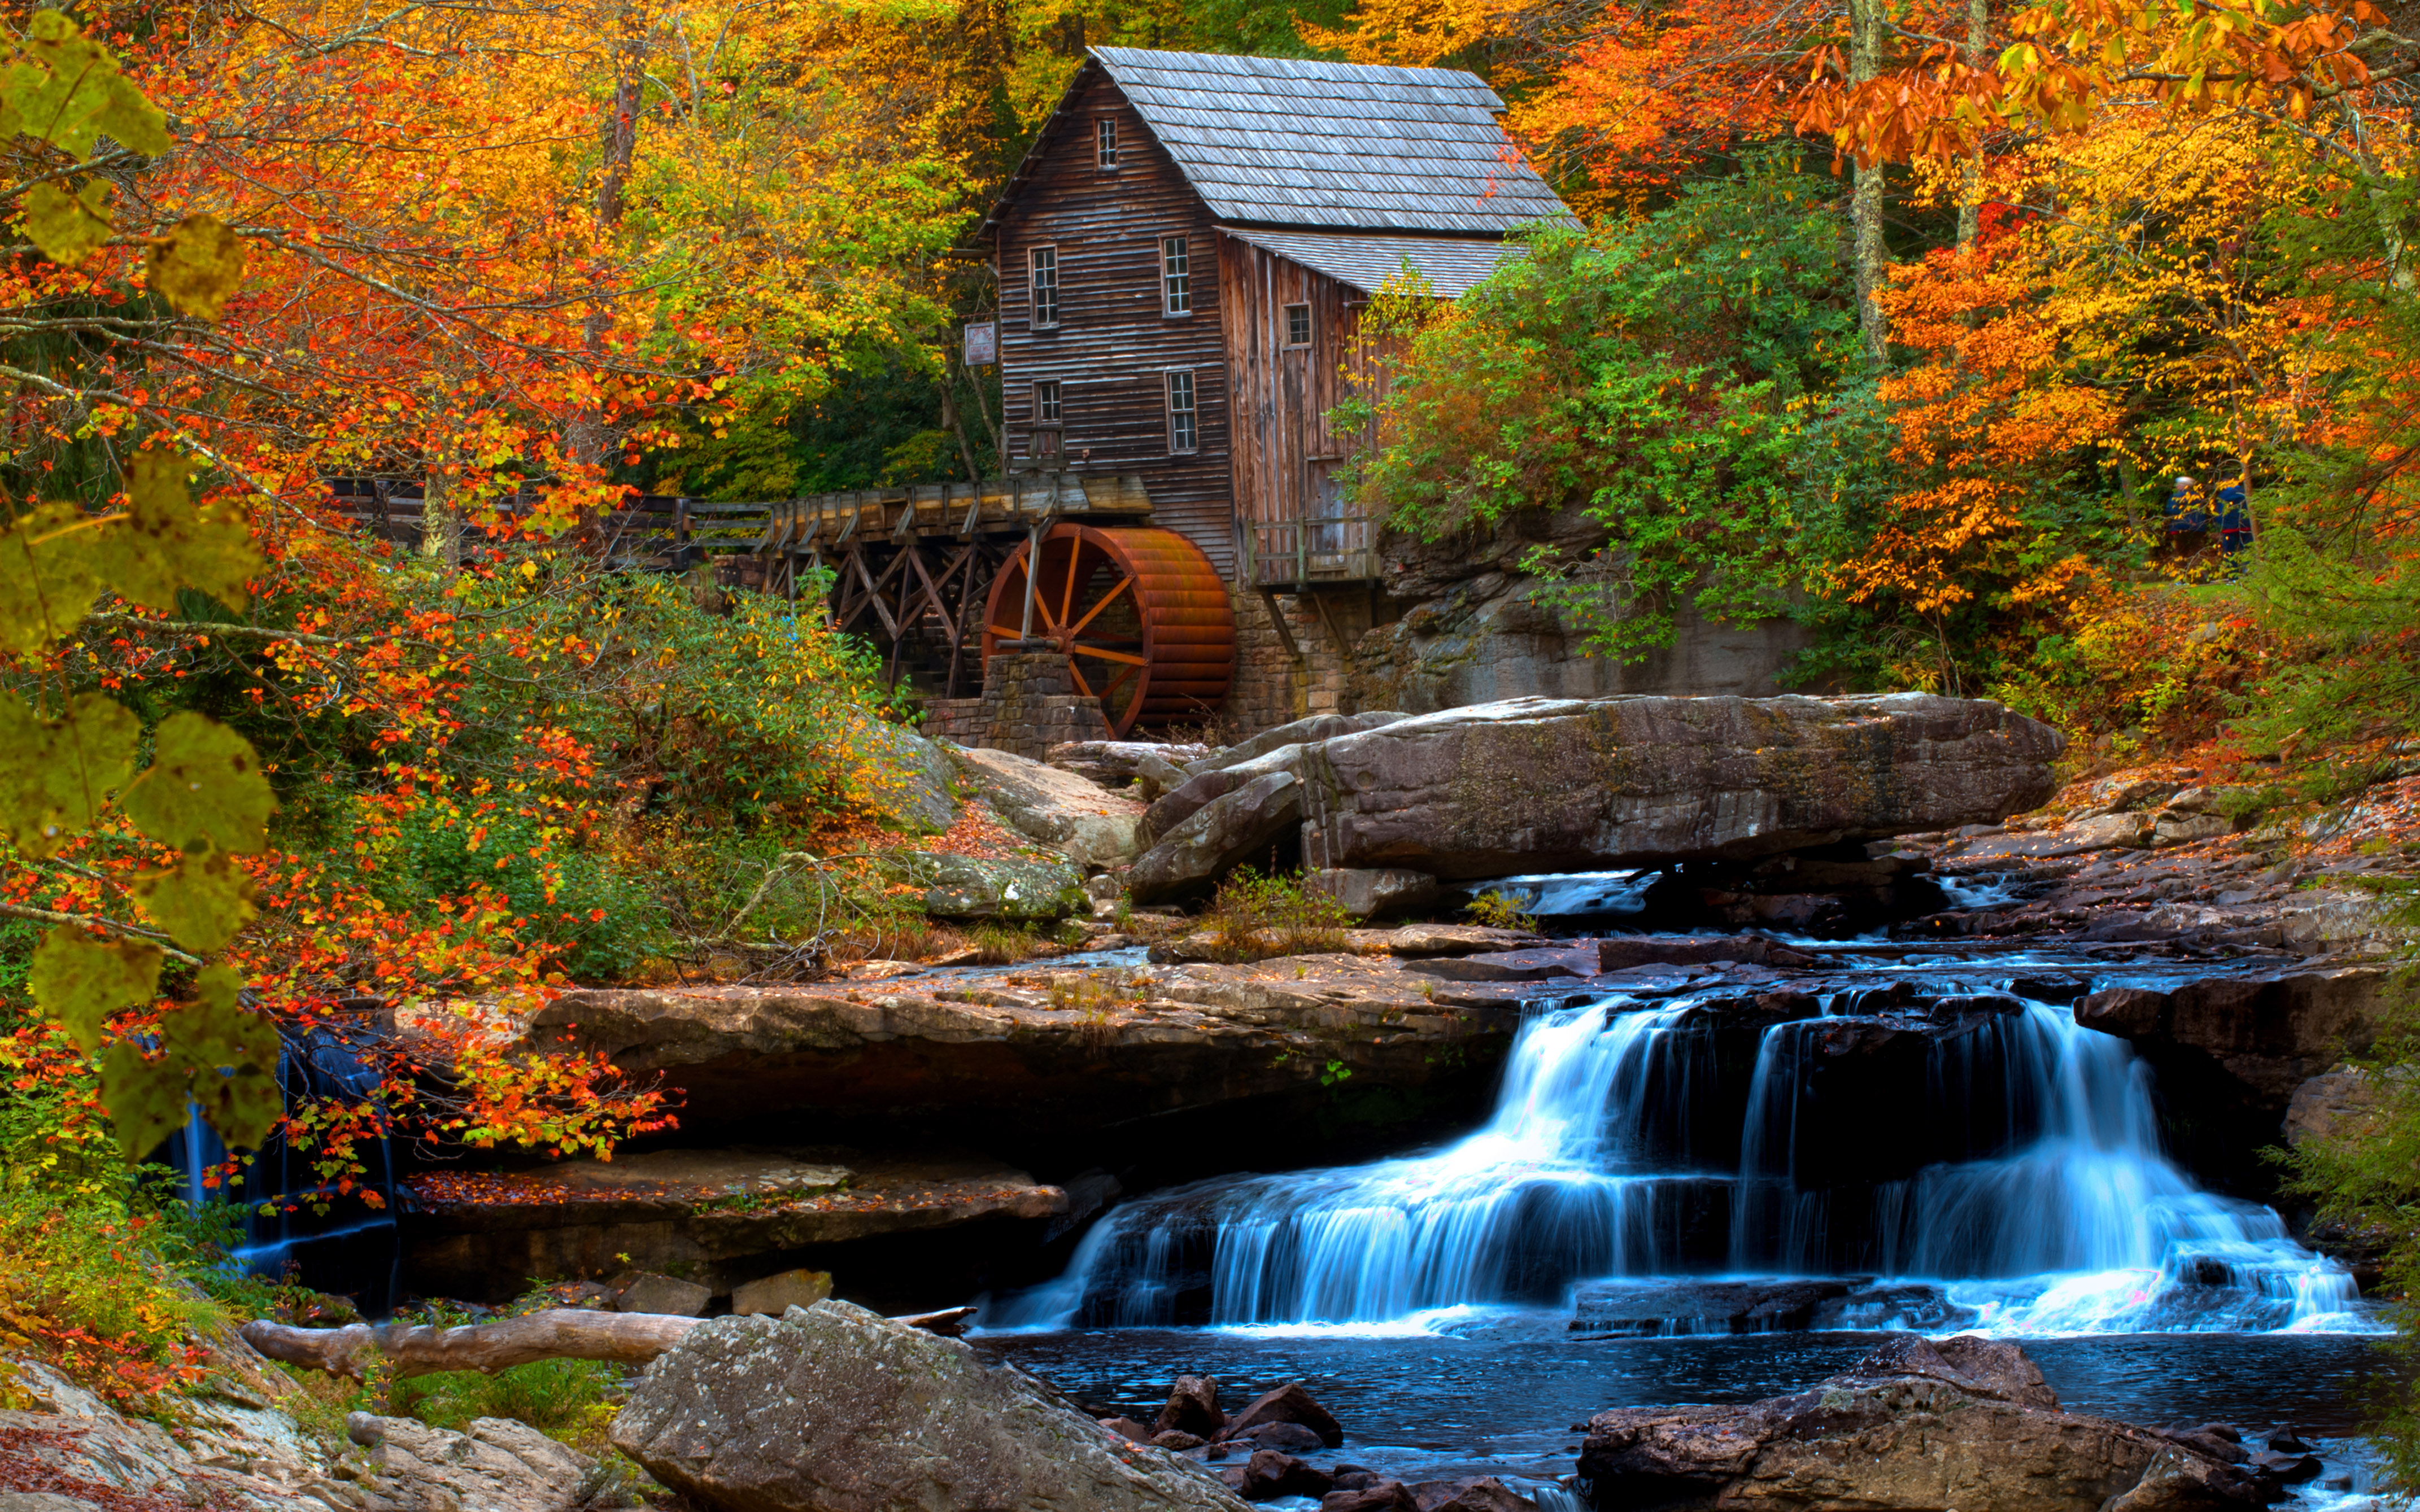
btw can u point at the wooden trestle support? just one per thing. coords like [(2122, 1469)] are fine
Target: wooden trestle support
[(935, 577)]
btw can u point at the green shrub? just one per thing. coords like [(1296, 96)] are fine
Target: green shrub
[(573, 1401), (1255, 915)]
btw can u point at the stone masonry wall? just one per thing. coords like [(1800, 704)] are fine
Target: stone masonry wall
[(1271, 687), (1029, 705)]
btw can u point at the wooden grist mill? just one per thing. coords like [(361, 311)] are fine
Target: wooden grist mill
[(1139, 614)]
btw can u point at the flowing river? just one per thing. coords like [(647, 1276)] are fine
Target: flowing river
[(1651, 1161)]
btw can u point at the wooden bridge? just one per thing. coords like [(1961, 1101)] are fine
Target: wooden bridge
[(934, 576)]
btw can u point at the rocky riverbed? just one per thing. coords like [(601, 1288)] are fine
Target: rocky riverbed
[(1818, 995)]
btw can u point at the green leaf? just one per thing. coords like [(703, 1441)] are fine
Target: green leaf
[(67, 226), (202, 902), (166, 542), (212, 1056), (204, 783), (146, 1099), (48, 578), (197, 266), (70, 91), (81, 980), (231, 1056), (56, 773)]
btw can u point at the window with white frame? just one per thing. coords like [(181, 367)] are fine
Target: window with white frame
[(1297, 325), (1104, 144), (1046, 424), (1042, 267), (1176, 276), (1182, 424)]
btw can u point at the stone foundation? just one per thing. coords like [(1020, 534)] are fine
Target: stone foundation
[(1274, 686), (1028, 705)]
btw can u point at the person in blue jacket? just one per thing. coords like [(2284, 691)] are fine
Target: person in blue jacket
[(2188, 519), (2233, 518)]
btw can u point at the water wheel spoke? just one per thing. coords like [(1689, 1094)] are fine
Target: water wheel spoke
[(1065, 587), (1068, 598), (1077, 628)]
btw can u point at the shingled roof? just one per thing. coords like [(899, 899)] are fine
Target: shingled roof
[(1270, 141), (1450, 264), (1342, 146)]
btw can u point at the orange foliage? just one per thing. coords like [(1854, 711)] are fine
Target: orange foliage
[(1981, 418)]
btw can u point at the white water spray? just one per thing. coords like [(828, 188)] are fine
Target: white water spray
[(2041, 1201)]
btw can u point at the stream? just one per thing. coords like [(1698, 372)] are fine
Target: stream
[(1659, 1159)]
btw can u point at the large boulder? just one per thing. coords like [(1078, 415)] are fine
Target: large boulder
[(497, 1465), (1059, 809), (1561, 785), (911, 777), (1960, 1422), (1372, 894), (1224, 834), (2240, 1049), (970, 887), (1195, 792), (1301, 732), (833, 1408)]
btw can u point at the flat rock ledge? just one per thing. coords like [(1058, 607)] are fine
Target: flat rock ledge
[(703, 1214), (1049, 1050)]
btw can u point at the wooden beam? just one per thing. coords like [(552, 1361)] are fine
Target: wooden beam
[(1285, 631)]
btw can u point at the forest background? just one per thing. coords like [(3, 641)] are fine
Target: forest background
[(1897, 316)]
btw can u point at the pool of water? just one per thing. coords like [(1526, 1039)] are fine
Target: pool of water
[(1499, 1394)]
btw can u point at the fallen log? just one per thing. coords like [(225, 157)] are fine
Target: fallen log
[(408, 1350)]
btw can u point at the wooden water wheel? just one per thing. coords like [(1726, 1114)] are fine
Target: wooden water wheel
[(1140, 615)]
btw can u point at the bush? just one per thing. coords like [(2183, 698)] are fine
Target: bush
[(1254, 916), (573, 1401)]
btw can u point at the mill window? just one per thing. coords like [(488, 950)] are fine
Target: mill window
[(1043, 265), (1046, 424), (1183, 428), (1176, 276), (1297, 325), (1105, 145)]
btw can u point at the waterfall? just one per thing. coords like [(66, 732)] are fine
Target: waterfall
[(1984, 1144), (351, 1249)]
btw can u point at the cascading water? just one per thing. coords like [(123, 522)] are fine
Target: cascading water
[(349, 1249), (1986, 1144)]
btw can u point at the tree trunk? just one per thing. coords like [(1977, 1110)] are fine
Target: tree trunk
[(558, 1334), (2381, 203), (617, 143), (1978, 46), (441, 518), (1866, 24)]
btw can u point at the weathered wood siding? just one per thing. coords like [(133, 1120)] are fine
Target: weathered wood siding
[(1114, 346), (1283, 393)]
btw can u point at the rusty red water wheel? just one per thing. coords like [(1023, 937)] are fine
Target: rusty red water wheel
[(1140, 615)]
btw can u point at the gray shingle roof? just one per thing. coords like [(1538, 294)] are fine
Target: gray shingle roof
[(1296, 142), (1451, 264)]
